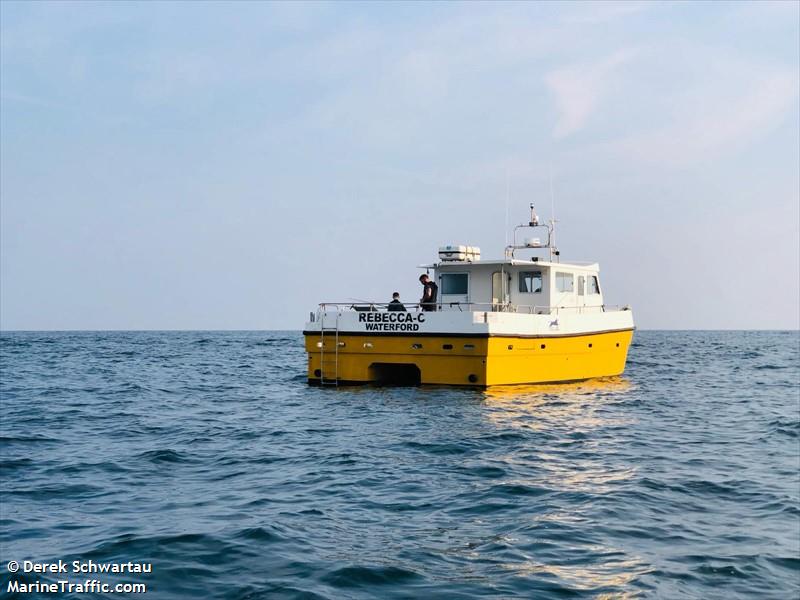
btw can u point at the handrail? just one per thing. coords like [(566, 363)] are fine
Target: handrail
[(366, 305), (476, 307)]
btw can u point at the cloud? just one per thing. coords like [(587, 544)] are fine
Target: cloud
[(579, 89), (602, 12), (26, 99), (715, 121)]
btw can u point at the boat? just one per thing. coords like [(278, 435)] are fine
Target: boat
[(527, 318)]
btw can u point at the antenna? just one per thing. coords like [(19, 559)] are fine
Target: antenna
[(505, 229), (552, 240)]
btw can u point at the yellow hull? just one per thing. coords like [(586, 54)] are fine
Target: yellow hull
[(474, 361)]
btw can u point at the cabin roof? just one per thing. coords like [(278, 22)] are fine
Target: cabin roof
[(583, 266)]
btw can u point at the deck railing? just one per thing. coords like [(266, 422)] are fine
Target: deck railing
[(472, 307)]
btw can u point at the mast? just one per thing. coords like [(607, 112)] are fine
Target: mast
[(534, 243)]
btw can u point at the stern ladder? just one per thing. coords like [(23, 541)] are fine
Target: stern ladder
[(329, 365)]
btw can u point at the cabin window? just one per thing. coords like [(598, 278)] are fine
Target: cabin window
[(581, 285), (530, 282), (456, 284), (594, 286), (565, 282)]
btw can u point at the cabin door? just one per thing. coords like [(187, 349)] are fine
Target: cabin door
[(581, 290), (499, 290)]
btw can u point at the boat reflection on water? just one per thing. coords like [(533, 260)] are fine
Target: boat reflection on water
[(579, 423), (574, 407), (599, 385), (575, 431)]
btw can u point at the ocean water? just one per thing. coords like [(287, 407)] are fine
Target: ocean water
[(208, 456)]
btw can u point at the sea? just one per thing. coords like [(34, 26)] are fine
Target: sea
[(208, 457)]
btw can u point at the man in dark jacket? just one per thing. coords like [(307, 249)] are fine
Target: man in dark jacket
[(429, 292), (395, 304)]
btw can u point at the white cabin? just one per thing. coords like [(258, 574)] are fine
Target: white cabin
[(532, 285), (514, 285)]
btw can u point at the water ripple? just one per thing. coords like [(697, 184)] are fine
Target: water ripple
[(207, 454)]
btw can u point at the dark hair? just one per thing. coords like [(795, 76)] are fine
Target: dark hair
[(396, 295), (423, 276)]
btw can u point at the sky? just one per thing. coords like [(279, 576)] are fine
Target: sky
[(183, 165)]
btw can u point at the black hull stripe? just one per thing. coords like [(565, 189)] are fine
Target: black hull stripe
[(346, 382), (417, 334)]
